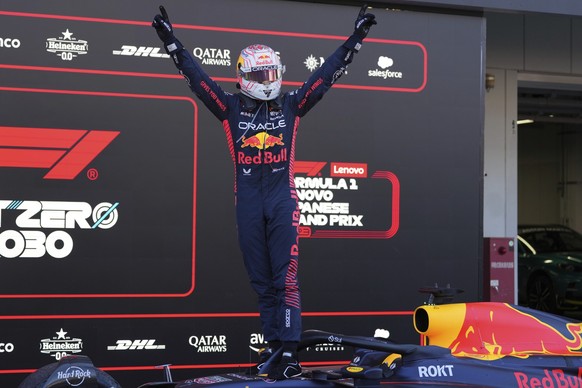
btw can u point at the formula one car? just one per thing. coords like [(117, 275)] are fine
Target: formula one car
[(481, 344)]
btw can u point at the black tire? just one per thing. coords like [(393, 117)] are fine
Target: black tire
[(541, 295), (104, 380), (38, 378)]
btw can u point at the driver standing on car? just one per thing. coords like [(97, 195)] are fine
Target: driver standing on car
[(260, 125)]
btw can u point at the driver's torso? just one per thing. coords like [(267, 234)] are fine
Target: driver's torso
[(263, 146)]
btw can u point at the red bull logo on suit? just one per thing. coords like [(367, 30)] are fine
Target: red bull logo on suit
[(262, 141)]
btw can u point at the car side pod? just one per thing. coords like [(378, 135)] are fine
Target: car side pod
[(491, 331), (440, 324)]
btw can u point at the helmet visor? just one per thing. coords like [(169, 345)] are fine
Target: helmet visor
[(262, 74)]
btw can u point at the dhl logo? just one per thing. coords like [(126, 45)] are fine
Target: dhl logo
[(66, 152), (262, 140)]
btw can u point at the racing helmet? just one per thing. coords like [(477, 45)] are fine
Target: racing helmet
[(259, 72)]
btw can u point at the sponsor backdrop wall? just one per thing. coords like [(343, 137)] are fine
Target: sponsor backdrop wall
[(117, 232)]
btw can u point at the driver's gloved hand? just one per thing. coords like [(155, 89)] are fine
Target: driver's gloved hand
[(361, 29), (165, 31)]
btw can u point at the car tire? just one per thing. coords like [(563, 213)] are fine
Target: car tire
[(38, 378), (541, 295)]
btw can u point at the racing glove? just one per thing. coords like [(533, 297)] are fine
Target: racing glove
[(362, 26), (165, 32)]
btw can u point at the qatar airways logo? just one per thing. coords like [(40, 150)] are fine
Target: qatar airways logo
[(33, 236), (208, 343), (212, 56)]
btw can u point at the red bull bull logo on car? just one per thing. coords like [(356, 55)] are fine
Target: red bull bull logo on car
[(492, 331), (507, 331)]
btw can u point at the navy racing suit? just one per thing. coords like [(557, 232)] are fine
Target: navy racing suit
[(261, 139)]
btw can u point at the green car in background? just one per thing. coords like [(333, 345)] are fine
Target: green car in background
[(549, 268)]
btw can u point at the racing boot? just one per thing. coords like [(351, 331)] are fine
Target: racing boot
[(264, 355), (286, 368)]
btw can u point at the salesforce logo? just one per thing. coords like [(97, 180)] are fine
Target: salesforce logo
[(384, 63)]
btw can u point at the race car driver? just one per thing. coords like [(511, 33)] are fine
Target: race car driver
[(260, 125)]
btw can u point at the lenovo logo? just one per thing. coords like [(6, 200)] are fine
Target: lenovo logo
[(349, 170), (65, 152)]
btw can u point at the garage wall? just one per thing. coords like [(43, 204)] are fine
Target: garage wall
[(528, 50), (500, 159), (573, 188), (534, 43), (549, 174), (540, 168), (563, 7)]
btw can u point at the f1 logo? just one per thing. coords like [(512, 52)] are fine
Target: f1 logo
[(66, 152)]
